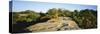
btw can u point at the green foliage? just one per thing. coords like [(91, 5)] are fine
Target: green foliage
[(84, 18), (53, 13), (67, 13), (26, 16)]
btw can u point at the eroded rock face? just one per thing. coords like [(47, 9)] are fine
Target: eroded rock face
[(60, 24)]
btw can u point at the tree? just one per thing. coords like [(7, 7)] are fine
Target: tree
[(85, 18), (53, 13)]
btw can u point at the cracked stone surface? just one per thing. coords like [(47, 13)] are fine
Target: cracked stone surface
[(60, 24)]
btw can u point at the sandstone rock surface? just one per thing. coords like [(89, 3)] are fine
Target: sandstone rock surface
[(60, 24)]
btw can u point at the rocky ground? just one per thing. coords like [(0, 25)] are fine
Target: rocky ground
[(60, 24)]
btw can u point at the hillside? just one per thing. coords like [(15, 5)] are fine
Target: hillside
[(53, 20)]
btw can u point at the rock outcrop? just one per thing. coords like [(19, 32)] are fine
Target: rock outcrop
[(60, 24)]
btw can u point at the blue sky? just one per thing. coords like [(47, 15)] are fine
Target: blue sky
[(42, 6)]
